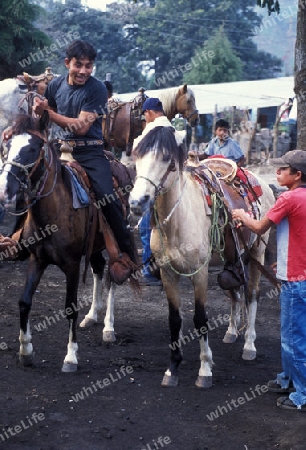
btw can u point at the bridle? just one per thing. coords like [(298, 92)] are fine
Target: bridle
[(159, 187), (46, 156), (195, 111)]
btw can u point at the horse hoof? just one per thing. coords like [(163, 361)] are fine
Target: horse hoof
[(26, 360), (249, 355), (109, 336), (87, 323), (229, 338), (69, 367), (204, 382), (170, 381)]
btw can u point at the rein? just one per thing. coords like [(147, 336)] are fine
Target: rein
[(158, 191), (29, 170)]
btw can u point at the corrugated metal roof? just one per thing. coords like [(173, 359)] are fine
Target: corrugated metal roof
[(242, 94)]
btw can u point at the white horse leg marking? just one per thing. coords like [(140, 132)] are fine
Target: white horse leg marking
[(96, 305), (93, 314), (71, 360), (232, 332), (205, 374), (249, 349), (26, 347), (108, 330)]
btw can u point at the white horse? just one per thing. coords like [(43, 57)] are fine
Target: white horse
[(175, 100), (180, 242), (13, 94)]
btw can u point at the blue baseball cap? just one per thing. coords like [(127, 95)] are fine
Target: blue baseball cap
[(153, 104)]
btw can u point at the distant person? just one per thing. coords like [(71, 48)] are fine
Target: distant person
[(223, 145), (155, 117)]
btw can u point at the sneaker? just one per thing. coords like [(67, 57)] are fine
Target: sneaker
[(273, 386), (150, 281), (286, 403)]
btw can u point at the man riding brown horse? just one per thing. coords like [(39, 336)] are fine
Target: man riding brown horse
[(76, 103)]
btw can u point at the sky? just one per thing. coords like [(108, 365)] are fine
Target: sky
[(97, 4)]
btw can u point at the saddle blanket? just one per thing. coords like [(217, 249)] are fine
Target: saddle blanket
[(79, 195)]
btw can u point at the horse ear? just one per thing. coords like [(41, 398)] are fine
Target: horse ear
[(184, 88), (44, 121)]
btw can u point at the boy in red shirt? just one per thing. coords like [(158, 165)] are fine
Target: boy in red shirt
[(289, 214)]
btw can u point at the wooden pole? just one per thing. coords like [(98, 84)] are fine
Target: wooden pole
[(248, 156)]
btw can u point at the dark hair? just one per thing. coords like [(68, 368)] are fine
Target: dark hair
[(81, 49), (293, 171), (222, 124), (109, 87)]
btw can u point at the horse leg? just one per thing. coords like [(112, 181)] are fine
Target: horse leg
[(232, 332), (97, 262), (35, 271), (72, 278), (171, 286), (249, 349), (200, 320), (108, 330), (92, 316)]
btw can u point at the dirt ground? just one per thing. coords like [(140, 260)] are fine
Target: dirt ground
[(40, 408)]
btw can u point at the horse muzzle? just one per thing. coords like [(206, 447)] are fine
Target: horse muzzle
[(141, 206)]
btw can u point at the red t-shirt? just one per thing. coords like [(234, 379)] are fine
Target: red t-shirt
[(289, 214)]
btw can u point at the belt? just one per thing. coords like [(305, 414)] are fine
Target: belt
[(95, 143)]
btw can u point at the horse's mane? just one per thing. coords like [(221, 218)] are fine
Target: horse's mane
[(162, 141), (24, 123), (168, 97)]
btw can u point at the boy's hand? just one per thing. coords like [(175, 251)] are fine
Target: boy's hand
[(7, 134), (40, 105)]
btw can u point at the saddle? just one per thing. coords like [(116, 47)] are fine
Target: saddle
[(126, 116), (235, 188), (31, 81)]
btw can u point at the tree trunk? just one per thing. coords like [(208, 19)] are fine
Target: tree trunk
[(300, 76)]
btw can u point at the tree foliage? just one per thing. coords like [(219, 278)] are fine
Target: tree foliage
[(19, 36), (104, 30), (215, 62), (271, 5), (137, 39), (170, 32), (299, 65)]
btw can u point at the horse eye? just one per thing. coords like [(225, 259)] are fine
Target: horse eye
[(166, 158)]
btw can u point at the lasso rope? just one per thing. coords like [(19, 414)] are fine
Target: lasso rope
[(217, 230), (217, 241)]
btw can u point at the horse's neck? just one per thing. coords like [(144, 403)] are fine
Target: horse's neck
[(175, 198), (169, 104), (170, 112)]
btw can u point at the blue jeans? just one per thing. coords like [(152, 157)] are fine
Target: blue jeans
[(293, 339), (145, 236)]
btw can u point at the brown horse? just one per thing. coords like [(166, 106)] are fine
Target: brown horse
[(125, 121), (51, 234)]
